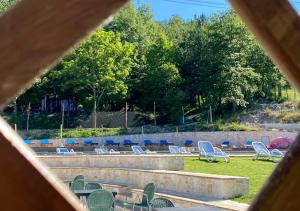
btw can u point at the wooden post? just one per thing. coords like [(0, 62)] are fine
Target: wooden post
[(41, 32), (210, 115), (176, 129), (154, 112), (95, 114), (276, 27), (16, 112), (16, 129), (183, 120), (28, 115), (142, 130), (126, 117), (61, 131), (62, 114)]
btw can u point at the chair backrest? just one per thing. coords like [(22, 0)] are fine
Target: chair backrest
[(101, 151), (226, 142), (27, 141), (147, 142), (77, 184), (249, 142), (188, 142), (161, 203), (88, 141), (127, 141), (174, 149), (44, 141), (110, 141), (259, 147), (62, 150), (100, 200), (70, 141), (137, 149), (163, 141), (98, 151), (92, 186), (205, 147), (148, 194), (79, 177), (265, 139)]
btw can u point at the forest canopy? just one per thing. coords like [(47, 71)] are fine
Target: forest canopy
[(200, 63)]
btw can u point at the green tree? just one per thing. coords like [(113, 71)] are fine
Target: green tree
[(99, 68), (161, 81)]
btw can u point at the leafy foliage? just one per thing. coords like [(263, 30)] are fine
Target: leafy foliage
[(208, 61)]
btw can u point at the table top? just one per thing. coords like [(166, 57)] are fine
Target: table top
[(88, 192), (197, 208)]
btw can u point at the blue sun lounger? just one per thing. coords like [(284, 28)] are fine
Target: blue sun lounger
[(128, 142), (110, 142), (71, 142), (45, 142), (65, 151)]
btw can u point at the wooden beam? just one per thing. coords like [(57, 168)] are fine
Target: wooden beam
[(276, 26), (34, 35), (25, 183)]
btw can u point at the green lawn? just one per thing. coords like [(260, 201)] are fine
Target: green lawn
[(257, 171)]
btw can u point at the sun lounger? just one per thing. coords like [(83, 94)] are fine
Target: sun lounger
[(262, 151), (188, 143), (177, 150), (165, 143), (207, 150), (110, 142), (138, 150), (65, 151), (103, 151), (128, 142)]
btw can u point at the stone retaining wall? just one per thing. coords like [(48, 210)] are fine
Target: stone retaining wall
[(206, 185), (157, 162), (236, 138)]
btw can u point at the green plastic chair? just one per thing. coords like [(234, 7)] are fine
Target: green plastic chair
[(79, 177), (161, 203), (100, 200), (148, 195), (77, 185), (92, 186)]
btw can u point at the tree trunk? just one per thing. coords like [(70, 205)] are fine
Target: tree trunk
[(199, 101), (279, 91), (28, 116), (62, 114), (95, 110)]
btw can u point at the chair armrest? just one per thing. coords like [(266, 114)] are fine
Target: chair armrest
[(276, 152), (217, 149)]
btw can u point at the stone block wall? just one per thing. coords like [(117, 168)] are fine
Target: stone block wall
[(205, 185), (236, 138), (158, 162)]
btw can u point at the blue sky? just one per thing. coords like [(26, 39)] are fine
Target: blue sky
[(165, 9)]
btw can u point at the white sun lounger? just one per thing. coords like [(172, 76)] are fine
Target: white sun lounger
[(211, 153), (262, 151)]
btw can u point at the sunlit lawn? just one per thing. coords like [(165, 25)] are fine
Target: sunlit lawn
[(257, 171)]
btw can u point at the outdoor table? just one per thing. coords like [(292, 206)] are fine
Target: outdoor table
[(196, 208), (86, 193)]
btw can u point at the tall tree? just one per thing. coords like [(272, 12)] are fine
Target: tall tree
[(99, 68)]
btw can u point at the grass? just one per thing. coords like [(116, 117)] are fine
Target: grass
[(283, 116), (257, 171)]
